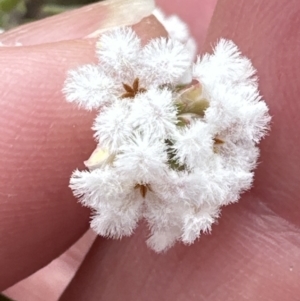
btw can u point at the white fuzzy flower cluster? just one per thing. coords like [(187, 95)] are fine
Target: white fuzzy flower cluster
[(170, 153)]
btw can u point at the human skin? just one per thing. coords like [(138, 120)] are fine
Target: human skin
[(43, 138), (254, 251)]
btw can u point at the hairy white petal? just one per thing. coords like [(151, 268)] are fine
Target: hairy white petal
[(239, 181), (164, 220), (162, 241), (154, 112), (118, 51), (239, 154), (238, 112), (216, 183), (117, 220), (99, 185), (178, 187), (143, 157), (163, 61), (162, 213), (256, 121), (202, 186), (194, 145), (89, 87), (197, 221), (225, 65), (111, 126)]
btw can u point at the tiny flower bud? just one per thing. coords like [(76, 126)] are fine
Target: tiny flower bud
[(191, 100), (99, 158)]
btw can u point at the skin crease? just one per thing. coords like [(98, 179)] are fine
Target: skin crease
[(253, 253)]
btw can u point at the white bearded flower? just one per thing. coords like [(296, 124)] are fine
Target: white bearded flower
[(89, 87), (143, 158), (197, 138), (111, 126), (99, 185), (170, 153), (118, 218), (154, 112), (197, 221), (126, 68)]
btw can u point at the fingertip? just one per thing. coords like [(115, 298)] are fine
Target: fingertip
[(79, 23), (43, 138)]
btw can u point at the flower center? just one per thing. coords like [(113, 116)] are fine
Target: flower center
[(143, 189), (132, 91)]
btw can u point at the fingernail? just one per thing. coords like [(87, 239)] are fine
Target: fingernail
[(124, 12)]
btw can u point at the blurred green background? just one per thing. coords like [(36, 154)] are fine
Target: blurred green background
[(17, 12)]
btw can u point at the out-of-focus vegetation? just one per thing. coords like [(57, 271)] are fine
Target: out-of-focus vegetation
[(17, 12)]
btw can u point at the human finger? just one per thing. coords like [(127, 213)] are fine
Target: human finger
[(196, 13), (48, 283), (43, 138), (79, 23), (251, 255), (253, 252)]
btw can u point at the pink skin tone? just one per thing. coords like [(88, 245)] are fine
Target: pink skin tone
[(43, 139), (254, 251), (75, 24)]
